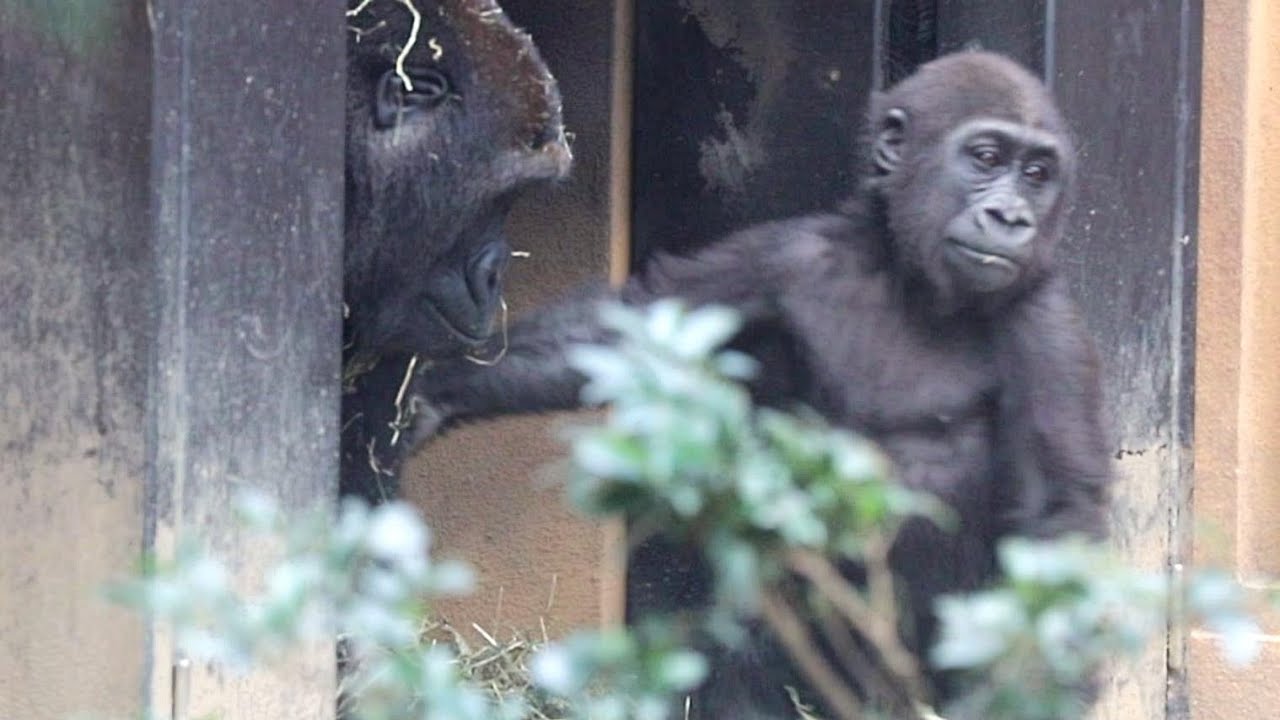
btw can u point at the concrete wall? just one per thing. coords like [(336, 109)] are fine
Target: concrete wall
[(1237, 490), (73, 381), (171, 238)]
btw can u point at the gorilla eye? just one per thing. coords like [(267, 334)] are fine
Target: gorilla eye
[(1036, 172), (986, 156)]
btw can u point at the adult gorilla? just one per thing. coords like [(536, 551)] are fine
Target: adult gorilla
[(450, 114), (926, 315)]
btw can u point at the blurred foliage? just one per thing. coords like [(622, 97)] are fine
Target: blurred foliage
[(768, 496), (1063, 610), (686, 453)]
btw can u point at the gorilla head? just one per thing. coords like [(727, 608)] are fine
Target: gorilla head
[(450, 113), (971, 161)]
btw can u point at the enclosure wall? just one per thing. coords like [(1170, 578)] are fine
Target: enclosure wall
[(74, 331), (1237, 496)]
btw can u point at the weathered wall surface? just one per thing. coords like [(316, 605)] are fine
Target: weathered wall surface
[(1237, 495), (170, 255), (74, 226), (247, 157)]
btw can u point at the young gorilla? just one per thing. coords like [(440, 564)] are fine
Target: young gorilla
[(926, 315), (439, 144)]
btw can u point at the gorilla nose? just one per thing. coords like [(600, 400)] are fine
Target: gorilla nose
[(551, 131), (1012, 213), (549, 156), (484, 276)]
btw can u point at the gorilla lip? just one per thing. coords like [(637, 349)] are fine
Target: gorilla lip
[(458, 332), (983, 257)]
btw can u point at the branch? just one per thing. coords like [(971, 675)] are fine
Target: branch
[(795, 638), (875, 558), (402, 419), (878, 686), (883, 634)]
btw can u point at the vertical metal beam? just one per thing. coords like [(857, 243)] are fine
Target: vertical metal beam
[(879, 43), (622, 105), (613, 590)]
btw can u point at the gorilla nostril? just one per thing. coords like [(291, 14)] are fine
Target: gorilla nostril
[(542, 136), (485, 278), (545, 130), (1012, 217)]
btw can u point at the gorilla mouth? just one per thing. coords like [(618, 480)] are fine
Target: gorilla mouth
[(982, 257), (458, 332)]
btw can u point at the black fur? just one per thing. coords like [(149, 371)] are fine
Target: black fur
[(974, 372), (432, 169)]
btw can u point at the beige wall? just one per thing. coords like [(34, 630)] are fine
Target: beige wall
[(73, 523), (1237, 490)]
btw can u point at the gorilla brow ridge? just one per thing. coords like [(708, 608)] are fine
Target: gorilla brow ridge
[(1029, 136)]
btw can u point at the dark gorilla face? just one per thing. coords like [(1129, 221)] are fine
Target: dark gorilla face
[(973, 162), (440, 140), (1004, 180)]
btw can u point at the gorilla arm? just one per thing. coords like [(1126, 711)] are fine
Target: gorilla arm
[(1054, 446), (740, 271), (532, 375)]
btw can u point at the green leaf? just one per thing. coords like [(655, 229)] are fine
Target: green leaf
[(682, 671), (704, 330), (606, 456), (977, 629)]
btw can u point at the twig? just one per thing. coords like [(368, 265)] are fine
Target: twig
[(795, 638), (878, 687), (884, 635), (359, 8), (506, 342), (408, 46), (880, 580), (551, 596), (401, 422)]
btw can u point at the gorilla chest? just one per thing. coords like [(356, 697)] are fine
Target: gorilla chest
[(926, 394)]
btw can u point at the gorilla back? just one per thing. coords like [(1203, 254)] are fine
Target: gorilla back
[(926, 314)]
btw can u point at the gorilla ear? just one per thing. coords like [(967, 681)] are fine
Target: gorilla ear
[(887, 153)]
